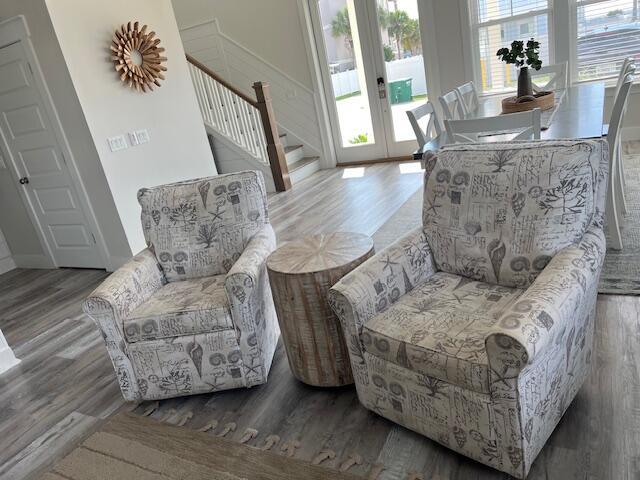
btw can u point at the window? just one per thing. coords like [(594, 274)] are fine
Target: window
[(497, 23), (607, 31)]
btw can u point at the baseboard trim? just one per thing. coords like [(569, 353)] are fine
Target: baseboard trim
[(117, 262), (7, 360), (32, 261), (404, 158), (7, 264)]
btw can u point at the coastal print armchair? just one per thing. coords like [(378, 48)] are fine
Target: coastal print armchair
[(475, 329), (193, 312)]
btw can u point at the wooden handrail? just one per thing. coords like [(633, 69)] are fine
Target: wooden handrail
[(221, 80), (273, 147), (275, 150)]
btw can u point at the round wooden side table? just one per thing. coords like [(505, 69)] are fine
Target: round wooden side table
[(301, 273)]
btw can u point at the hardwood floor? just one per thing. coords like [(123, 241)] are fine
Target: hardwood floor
[(65, 386)]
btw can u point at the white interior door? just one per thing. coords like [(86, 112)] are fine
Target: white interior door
[(40, 165), (373, 69)]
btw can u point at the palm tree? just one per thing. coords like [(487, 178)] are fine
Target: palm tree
[(341, 27), (411, 39), (398, 28)]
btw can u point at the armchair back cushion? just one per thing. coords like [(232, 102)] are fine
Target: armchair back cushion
[(199, 228), (499, 212)]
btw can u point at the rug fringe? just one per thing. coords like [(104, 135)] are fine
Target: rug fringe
[(249, 434), (324, 455), (151, 408), (229, 427), (289, 448), (270, 441), (353, 459), (209, 426), (185, 418)]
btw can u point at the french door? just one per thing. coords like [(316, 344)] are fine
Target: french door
[(372, 61)]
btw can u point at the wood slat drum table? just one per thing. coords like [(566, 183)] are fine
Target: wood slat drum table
[(301, 273)]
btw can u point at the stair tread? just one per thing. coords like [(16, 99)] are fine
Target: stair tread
[(291, 148), (302, 163)]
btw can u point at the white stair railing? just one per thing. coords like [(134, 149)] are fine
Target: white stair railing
[(250, 124), (230, 113)]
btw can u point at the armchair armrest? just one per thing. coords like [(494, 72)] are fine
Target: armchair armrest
[(245, 274), (249, 294), (126, 288), (551, 311), (382, 279)]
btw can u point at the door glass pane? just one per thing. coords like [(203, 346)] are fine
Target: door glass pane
[(404, 64), (344, 61)]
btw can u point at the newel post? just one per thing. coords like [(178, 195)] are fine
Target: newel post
[(275, 150)]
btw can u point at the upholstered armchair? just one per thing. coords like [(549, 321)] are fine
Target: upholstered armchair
[(476, 328), (193, 312)]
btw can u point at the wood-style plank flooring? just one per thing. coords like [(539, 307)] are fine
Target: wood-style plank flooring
[(65, 387)]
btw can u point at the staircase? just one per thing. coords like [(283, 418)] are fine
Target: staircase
[(245, 133)]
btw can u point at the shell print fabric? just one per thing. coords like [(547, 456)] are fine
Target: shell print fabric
[(485, 364), (498, 212), (209, 331), (200, 227)]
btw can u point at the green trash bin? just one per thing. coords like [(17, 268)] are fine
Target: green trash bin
[(400, 91)]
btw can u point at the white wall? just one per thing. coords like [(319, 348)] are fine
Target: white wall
[(7, 358), (178, 148), (14, 220), (271, 29)]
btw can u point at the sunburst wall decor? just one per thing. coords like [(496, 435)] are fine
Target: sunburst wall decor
[(136, 55)]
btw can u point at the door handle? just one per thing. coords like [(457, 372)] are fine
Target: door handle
[(24, 180), (382, 91)]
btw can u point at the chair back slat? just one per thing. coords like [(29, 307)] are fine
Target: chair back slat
[(465, 131), (433, 127)]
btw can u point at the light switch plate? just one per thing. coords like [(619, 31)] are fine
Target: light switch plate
[(133, 139), (117, 143), (142, 136)]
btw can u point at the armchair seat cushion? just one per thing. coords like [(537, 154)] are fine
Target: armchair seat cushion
[(439, 329), (188, 307)]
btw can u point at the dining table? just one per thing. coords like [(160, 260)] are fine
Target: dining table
[(578, 114)]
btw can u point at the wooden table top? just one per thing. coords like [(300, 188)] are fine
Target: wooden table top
[(579, 115), (319, 253)]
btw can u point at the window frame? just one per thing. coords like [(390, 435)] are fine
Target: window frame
[(472, 34), (573, 44)]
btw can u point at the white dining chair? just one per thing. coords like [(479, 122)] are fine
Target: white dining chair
[(451, 106), (433, 127), (555, 74), (468, 98), (465, 131), (615, 192), (628, 65)]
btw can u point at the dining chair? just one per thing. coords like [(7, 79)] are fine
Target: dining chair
[(556, 74), (615, 192), (459, 131), (468, 98), (451, 106), (433, 127), (625, 69)]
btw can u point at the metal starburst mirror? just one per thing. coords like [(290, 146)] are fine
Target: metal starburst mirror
[(137, 57)]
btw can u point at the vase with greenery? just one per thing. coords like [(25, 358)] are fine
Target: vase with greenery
[(523, 58)]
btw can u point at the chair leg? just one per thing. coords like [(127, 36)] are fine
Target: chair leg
[(621, 201), (612, 222)]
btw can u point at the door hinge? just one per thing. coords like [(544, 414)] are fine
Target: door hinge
[(94, 239)]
